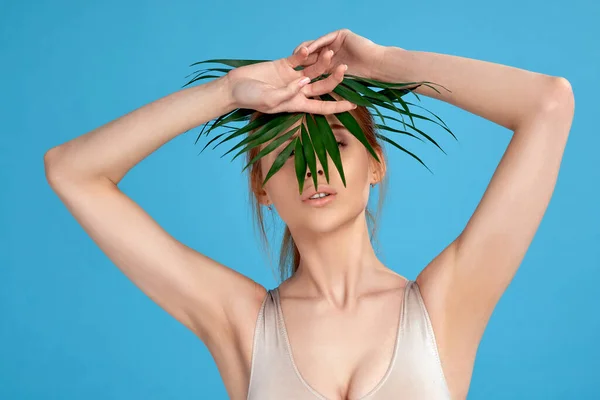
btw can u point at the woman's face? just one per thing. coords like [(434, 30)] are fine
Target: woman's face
[(360, 170)]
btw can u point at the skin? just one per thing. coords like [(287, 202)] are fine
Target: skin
[(333, 241), (338, 306)]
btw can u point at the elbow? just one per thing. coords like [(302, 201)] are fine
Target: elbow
[(559, 97), (51, 165), (50, 155), (61, 171), (557, 104), (555, 101), (563, 85)]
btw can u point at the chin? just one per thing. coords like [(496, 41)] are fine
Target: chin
[(325, 219)]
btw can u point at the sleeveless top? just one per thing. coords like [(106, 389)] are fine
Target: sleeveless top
[(414, 371)]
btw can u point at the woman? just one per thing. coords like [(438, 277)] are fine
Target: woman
[(353, 328)]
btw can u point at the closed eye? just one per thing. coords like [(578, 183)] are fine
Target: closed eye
[(340, 144)]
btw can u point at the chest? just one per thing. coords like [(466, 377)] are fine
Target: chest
[(342, 356), (367, 354)]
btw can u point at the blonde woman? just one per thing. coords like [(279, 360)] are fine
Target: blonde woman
[(343, 325)]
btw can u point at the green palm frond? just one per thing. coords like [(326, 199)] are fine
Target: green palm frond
[(315, 139)]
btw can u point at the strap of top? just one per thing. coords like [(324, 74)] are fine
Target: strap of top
[(418, 371), (272, 375)]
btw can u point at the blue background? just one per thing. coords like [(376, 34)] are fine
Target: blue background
[(73, 327)]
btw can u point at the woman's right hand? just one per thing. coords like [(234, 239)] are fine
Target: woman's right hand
[(275, 86)]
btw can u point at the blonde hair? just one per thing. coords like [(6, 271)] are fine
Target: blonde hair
[(289, 256)]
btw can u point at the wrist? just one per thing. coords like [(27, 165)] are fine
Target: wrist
[(225, 88), (377, 59), (389, 64)]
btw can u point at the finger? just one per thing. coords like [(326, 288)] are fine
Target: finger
[(326, 85), (298, 57), (327, 107), (321, 66), (322, 41), (311, 59), (303, 44), (275, 97)]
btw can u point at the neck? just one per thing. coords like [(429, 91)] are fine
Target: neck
[(338, 264)]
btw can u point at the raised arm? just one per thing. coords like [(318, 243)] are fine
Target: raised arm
[(201, 293), (464, 283), (85, 171)]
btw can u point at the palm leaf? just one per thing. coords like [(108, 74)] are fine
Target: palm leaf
[(281, 159), (200, 73), (234, 116), (216, 120), (387, 128), (309, 154), (412, 126), (379, 84), (389, 102), (365, 90), (299, 163), (351, 96), (382, 137), (261, 124), (272, 146), (394, 95), (203, 71), (330, 144), (231, 62), (353, 127), (316, 139), (264, 136), (200, 78), (438, 118)]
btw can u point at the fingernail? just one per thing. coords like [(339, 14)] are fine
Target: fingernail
[(304, 81), (345, 67)]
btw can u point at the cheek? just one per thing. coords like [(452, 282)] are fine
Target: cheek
[(283, 185), (356, 170)]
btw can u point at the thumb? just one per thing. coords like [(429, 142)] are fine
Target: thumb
[(289, 91)]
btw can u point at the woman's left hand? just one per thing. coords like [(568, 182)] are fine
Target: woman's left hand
[(362, 56)]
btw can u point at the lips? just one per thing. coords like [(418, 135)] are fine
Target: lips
[(322, 189), (321, 201)]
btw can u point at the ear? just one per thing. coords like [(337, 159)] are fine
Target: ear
[(263, 197), (378, 169)]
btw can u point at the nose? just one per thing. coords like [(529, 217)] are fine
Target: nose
[(319, 172)]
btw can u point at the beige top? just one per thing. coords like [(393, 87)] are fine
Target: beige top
[(414, 372)]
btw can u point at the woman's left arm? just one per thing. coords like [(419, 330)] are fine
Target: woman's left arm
[(464, 283)]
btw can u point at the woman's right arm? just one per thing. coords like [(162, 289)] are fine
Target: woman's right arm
[(84, 172), (201, 293), (110, 151)]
